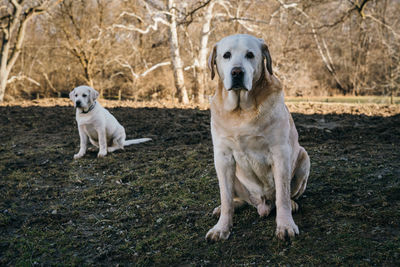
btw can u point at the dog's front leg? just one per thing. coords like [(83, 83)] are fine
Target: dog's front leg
[(101, 132), (286, 226), (225, 167), (83, 143)]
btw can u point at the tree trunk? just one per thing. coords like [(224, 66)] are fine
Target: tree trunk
[(201, 70), (5, 46), (201, 84), (3, 84), (16, 25), (177, 65)]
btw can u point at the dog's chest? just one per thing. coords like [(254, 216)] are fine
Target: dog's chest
[(91, 131), (254, 166), (251, 151), (252, 154), (88, 125)]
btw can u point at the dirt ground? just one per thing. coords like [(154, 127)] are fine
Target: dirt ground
[(151, 204)]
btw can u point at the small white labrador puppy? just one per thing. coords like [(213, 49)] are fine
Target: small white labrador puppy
[(97, 124)]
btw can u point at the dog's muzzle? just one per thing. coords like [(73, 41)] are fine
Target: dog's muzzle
[(237, 74)]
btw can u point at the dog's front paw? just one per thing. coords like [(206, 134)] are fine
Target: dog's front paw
[(217, 233), (286, 228), (102, 154), (78, 156)]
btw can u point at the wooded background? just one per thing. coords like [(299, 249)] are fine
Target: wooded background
[(154, 49)]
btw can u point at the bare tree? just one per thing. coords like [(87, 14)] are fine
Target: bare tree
[(319, 47), (201, 61), (177, 63), (84, 37), (167, 16), (14, 17)]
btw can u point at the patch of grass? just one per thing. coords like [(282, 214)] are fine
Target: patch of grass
[(151, 204)]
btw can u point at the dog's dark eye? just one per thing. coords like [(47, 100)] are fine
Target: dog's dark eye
[(84, 95), (249, 55), (76, 95), (227, 55)]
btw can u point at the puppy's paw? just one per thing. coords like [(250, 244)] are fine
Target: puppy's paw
[(102, 154), (217, 211), (78, 156), (286, 229), (217, 233)]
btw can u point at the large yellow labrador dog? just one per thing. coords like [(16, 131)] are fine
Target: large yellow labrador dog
[(257, 156)]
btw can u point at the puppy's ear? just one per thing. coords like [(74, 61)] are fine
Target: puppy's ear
[(267, 56), (211, 61), (72, 95), (93, 94)]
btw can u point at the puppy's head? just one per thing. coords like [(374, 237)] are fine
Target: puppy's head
[(83, 97), (239, 60)]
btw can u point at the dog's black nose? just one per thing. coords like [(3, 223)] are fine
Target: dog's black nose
[(237, 72), (78, 103)]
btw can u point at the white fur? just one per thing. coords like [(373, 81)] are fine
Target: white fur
[(97, 124), (257, 156), (238, 46)]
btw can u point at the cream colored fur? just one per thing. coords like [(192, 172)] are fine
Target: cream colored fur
[(97, 124), (257, 156)]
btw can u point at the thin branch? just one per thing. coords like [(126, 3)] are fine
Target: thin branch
[(192, 13), (154, 68), (49, 82), (246, 19), (22, 77), (383, 24), (126, 13), (153, 26), (125, 64), (360, 7)]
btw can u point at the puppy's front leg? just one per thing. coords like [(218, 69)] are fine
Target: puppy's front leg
[(101, 132), (225, 167), (83, 143), (286, 226)]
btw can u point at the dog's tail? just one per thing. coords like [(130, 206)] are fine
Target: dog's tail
[(136, 141)]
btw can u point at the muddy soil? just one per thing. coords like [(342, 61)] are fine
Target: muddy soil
[(151, 204)]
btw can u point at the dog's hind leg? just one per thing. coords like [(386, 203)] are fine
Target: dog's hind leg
[(300, 177), (265, 207), (93, 142), (117, 143), (237, 203), (241, 195)]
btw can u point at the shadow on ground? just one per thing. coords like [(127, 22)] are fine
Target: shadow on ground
[(151, 204)]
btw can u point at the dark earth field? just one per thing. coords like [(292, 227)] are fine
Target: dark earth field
[(151, 204)]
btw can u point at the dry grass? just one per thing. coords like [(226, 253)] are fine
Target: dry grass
[(297, 105)]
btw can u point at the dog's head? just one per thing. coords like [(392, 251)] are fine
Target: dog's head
[(240, 61), (83, 97)]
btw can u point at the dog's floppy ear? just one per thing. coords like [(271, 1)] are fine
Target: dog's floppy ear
[(93, 94), (211, 61), (267, 56), (72, 95)]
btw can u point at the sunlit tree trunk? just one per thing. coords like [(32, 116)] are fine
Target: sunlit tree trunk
[(201, 68), (177, 64)]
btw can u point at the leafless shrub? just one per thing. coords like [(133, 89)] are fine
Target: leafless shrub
[(150, 49)]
